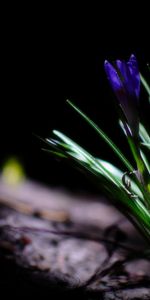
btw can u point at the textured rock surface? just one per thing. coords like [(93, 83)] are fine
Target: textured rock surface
[(52, 241)]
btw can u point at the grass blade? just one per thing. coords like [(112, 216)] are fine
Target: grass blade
[(103, 136), (146, 86)]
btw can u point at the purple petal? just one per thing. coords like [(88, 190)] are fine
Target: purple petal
[(117, 86), (134, 71), (125, 83), (121, 65), (113, 77), (126, 77)]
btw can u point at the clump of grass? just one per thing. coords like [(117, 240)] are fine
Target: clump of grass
[(129, 187)]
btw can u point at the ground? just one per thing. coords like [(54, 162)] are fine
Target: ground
[(63, 244)]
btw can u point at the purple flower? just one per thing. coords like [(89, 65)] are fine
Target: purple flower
[(124, 78)]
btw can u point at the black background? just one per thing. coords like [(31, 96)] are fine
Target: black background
[(47, 59)]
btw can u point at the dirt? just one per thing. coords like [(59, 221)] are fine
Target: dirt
[(54, 242)]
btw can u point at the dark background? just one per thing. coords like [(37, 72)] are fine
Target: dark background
[(44, 62)]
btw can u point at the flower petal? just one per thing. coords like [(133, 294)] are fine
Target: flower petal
[(113, 77), (126, 77), (124, 80), (134, 71)]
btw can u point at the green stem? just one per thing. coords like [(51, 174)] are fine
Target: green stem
[(143, 182)]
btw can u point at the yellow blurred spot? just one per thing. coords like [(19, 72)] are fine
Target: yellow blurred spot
[(13, 172)]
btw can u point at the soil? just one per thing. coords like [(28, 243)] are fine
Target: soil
[(65, 245)]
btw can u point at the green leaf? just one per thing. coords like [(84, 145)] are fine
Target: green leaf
[(81, 154), (144, 134), (109, 178), (146, 145), (146, 86), (145, 161), (107, 170), (82, 158), (55, 153), (104, 137), (119, 175)]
